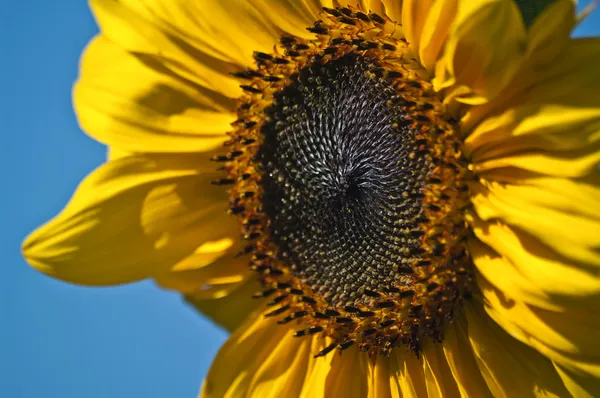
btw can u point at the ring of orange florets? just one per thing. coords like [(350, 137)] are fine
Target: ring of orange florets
[(440, 277)]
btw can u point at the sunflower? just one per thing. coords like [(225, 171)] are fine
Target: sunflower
[(416, 184)]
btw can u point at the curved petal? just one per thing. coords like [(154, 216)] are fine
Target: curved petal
[(560, 113), (263, 359), (131, 218), (167, 87), (509, 367), (329, 375), (568, 228), (217, 30), (407, 375), (522, 267), (414, 15), (435, 32), (566, 337), (461, 359), (212, 264), (380, 378), (467, 67), (550, 32), (571, 163), (439, 379), (230, 304), (426, 25), (133, 27), (393, 9), (578, 384), (260, 356), (135, 103), (291, 16), (560, 90)]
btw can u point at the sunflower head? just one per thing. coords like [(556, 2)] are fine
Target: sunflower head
[(350, 184)]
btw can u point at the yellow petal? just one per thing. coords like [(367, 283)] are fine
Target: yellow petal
[(414, 15), (557, 98), (544, 280), (376, 6), (134, 103), (336, 381), (328, 375), (314, 382), (566, 337), (380, 377), (438, 376), (510, 368), (533, 268), (537, 127), (461, 359), (114, 154), (559, 113), (130, 218), (206, 267), (134, 28), (262, 358), (467, 60), (571, 233), (282, 372), (408, 376), (426, 25), (393, 9), (435, 31), (184, 31), (570, 164), (232, 305), (550, 32), (293, 17), (579, 385), (259, 352)]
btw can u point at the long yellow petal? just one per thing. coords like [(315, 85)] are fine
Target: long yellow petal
[(131, 218), (561, 88), (379, 376), (136, 103), (414, 15), (206, 267), (438, 376), (201, 29), (550, 32), (231, 305), (568, 337), (461, 359), (468, 65), (407, 375), (510, 368), (559, 113), (579, 385), (262, 358), (393, 9), (570, 233), (256, 342), (435, 30), (522, 267)]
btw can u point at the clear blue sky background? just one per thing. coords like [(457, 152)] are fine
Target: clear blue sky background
[(59, 340)]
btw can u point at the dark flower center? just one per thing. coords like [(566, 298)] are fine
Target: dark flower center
[(347, 176), (340, 179)]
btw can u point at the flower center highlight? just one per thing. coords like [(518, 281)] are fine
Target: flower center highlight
[(349, 182)]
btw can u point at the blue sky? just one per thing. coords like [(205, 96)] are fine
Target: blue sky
[(56, 339)]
